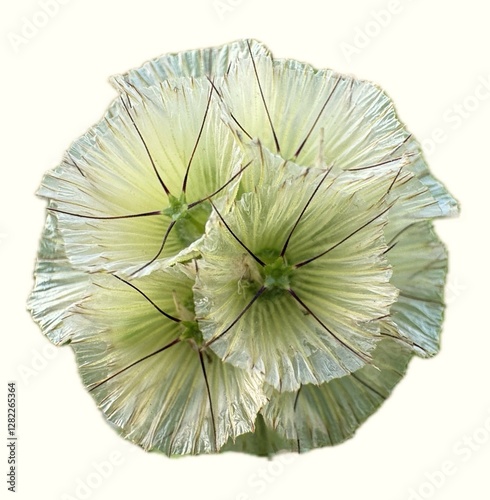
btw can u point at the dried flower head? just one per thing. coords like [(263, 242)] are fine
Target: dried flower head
[(241, 253)]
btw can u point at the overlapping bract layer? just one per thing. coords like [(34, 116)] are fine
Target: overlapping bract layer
[(241, 254)]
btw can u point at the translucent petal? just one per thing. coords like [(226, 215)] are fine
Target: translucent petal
[(328, 414), (211, 62), (109, 192), (319, 116), (57, 288), (447, 205), (160, 392), (419, 261), (323, 324)]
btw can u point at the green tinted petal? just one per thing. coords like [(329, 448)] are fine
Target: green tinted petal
[(158, 389), (211, 62), (58, 287), (263, 441), (241, 254), (310, 115), (328, 414), (447, 205), (110, 201), (347, 116), (419, 261), (324, 323)]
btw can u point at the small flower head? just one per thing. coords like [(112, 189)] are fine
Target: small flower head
[(241, 254)]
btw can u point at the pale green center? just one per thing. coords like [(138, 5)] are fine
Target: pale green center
[(277, 275), (189, 222)]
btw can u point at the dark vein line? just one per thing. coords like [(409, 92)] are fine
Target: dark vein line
[(278, 149), (298, 443), (381, 163), (236, 237), (240, 126), (399, 145), (167, 192), (184, 184), (397, 235), (302, 145), (297, 397), (160, 250), (347, 346), (203, 367), (301, 264), (135, 89), (134, 287), (75, 164), (231, 114), (286, 243), (390, 248), (227, 183), (410, 343), (235, 321), (365, 384), (393, 182), (109, 217), (162, 349)]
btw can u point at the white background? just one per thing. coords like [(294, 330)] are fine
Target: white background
[(431, 57)]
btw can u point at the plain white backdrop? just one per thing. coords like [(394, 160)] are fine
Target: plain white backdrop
[(432, 437)]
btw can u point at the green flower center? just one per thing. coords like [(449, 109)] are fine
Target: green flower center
[(191, 332), (277, 275), (189, 222)]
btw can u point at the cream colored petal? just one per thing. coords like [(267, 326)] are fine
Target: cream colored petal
[(319, 116), (123, 167), (324, 326), (156, 387)]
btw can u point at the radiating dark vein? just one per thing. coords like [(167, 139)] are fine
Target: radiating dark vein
[(160, 250), (381, 163), (302, 145), (167, 192), (278, 149), (227, 183), (184, 183), (305, 262), (298, 444), (235, 321), (134, 287), (158, 351), (203, 367), (75, 164), (286, 243), (237, 238), (368, 386), (230, 113), (336, 337), (108, 217)]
